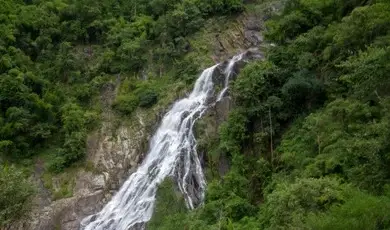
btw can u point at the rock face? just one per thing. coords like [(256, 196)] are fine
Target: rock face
[(243, 34), (245, 31), (113, 154)]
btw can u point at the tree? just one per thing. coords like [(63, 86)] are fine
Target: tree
[(288, 204), (361, 212), (366, 73)]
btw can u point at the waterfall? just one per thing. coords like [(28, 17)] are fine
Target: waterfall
[(229, 71), (172, 152)]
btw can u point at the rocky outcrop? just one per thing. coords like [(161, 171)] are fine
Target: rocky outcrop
[(239, 36), (244, 32), (208, 126), (114, 152)]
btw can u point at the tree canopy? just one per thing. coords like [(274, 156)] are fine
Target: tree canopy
[(56, 55), (307, 141)]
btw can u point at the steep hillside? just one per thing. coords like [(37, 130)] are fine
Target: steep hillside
[(306, 144), (83, 86), (300, 141)]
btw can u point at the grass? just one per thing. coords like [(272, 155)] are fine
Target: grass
[(89, 166), (65, 190), (60, 185)]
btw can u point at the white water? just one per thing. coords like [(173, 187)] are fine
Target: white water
[(229, 71), (172, 152)]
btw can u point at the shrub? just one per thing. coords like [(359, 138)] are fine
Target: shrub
[(126, 104), (361, 212), (15, 191), (289, 203), (148, 98)]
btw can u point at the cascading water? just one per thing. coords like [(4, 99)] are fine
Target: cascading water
[(172, 152), (229, 71)]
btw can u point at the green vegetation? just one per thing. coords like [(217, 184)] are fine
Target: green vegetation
[(170, 207), (15, 194), (307, 141), (58, 56), (60, 186)]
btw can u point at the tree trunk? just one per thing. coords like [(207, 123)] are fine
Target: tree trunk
[(271, 140)]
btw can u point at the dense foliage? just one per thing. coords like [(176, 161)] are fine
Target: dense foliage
[(57, 56), (308, 139), (307, 142), (55, 53), (15, 193)]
